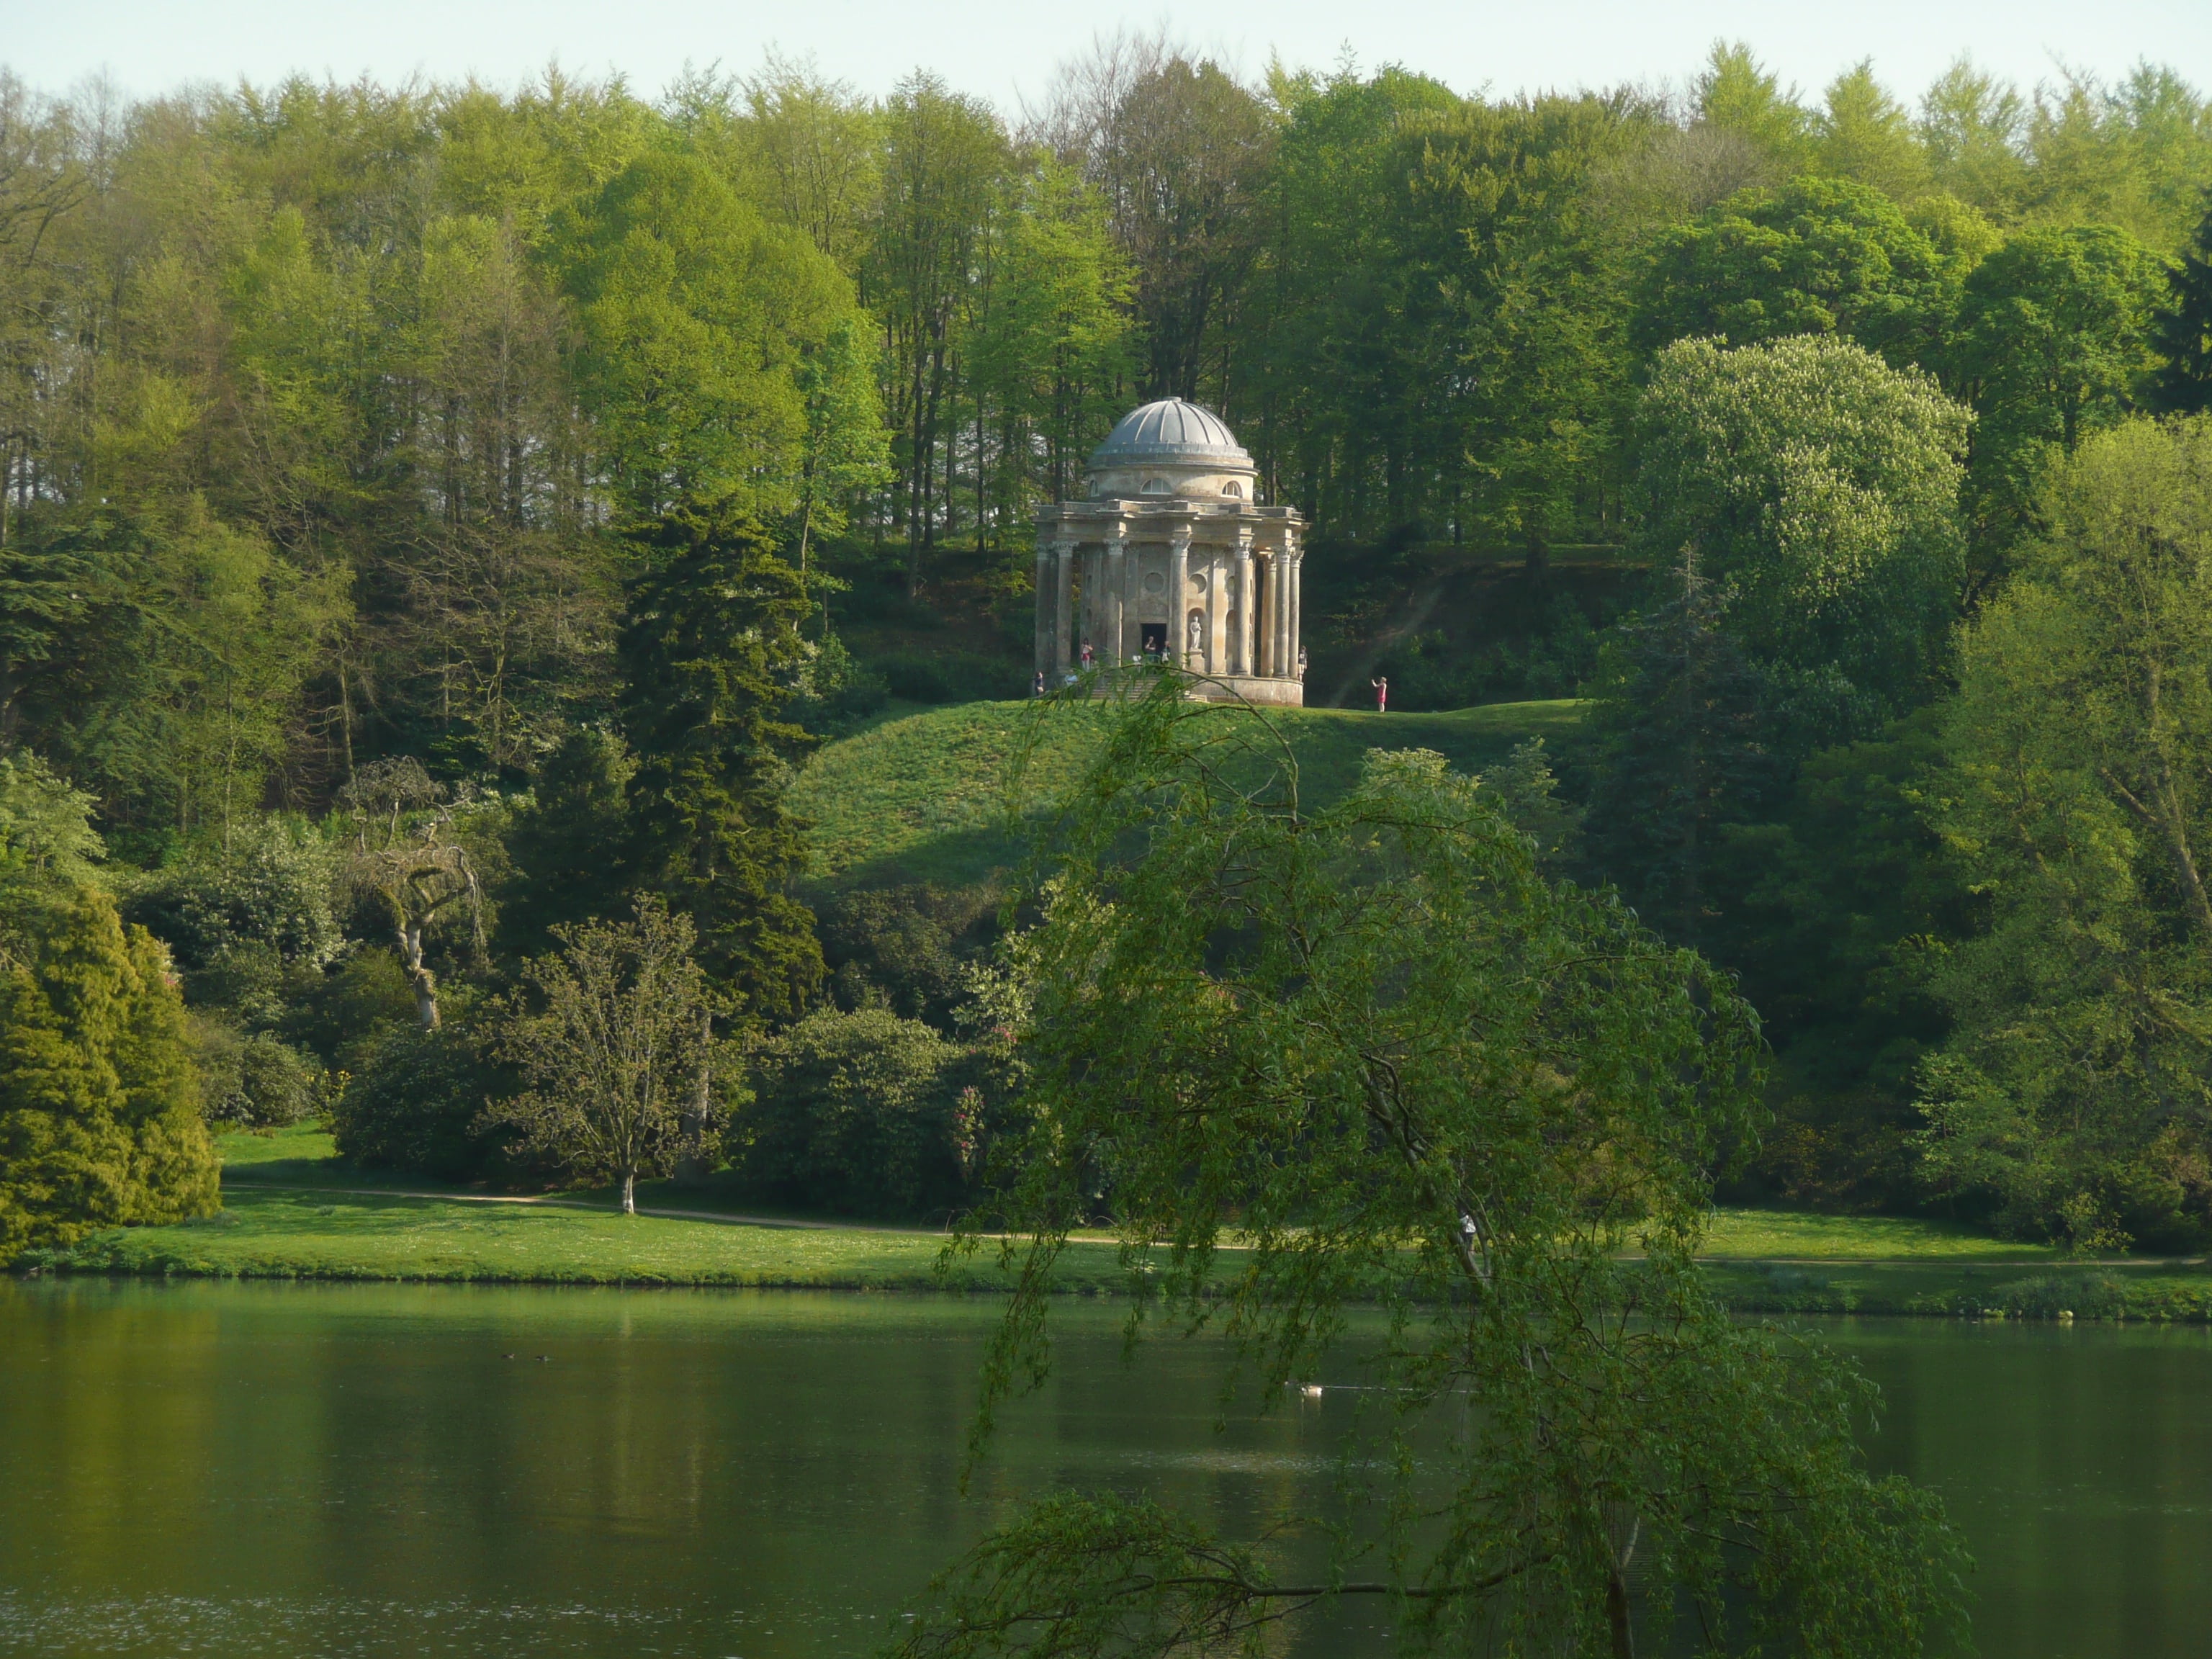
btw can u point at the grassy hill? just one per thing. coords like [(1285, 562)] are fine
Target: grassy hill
[(926, 798)]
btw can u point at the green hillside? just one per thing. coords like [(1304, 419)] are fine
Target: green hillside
[(924, 798)]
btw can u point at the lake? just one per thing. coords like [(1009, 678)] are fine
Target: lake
[(271, 1470)]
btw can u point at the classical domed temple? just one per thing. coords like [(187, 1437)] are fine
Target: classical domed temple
[(1171, 556)]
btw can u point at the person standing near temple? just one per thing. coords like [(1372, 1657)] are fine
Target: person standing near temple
[(1382, 684)]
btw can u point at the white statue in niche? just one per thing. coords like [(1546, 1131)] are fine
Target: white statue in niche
[(1197, 633)]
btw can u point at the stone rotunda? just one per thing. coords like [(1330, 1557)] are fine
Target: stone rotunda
[(1171, 557)]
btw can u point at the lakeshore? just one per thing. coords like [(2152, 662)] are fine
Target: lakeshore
[(293, 1210)]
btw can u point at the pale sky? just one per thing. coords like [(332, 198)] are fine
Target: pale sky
[(1003, 48)]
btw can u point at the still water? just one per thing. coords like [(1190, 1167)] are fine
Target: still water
[(286, 1471)]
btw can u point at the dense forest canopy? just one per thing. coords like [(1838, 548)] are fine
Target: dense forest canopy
[(319, 404)]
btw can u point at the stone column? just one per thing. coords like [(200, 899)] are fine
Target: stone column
[(1279, 620), (1216, 613), (1240, 639), (1062, 604), (1116, 596), (1179, 595), (1043, 602), (1297, 607)]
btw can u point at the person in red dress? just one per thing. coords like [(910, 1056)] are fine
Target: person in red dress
[(1381, 685)]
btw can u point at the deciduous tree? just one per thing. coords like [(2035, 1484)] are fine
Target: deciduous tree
[(2073, 1099), (1376, 1044), (612, 1049), (2053, 342), (1813, 256), (1819, 488)]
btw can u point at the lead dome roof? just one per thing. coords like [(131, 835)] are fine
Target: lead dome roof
[(1171, 430)]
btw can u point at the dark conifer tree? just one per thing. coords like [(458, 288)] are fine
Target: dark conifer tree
[(570, 847), (1685, 752), (2183, 333), (708, 653)]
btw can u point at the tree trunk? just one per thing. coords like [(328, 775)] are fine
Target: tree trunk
[(420, 980), (2165, 815), (1616, 1616), (694, 1166), (1536, 554), (629, 1192)]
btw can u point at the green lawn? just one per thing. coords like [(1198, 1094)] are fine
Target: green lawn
[(1792, 1236), (291, 1211), (286, 1233), (926, 798)]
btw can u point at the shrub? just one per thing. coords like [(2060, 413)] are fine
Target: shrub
[(835, 691), (353, 1009), (273, 887), (2086, 1296), (853, 1112), (908, 947), (954, 677), (417, 1106), (100, 1120), (257, 1081)]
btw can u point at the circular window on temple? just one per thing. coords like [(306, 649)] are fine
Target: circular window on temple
[(1156, 486), (1155, 582), (1233, 488)]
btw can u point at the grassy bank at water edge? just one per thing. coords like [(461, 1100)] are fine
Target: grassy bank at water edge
[(293, 1209)]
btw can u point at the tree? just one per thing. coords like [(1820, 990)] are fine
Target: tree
[(99, 1122), (405, 855), (1177, 150), (1687, 748), (1820, 489), (1864, 134), (1503, 226), (1373, 1041), (614, 1053), (171, 672), (46, 823), (2183, 331), (42, 603), (812, 153), (2072, 1099), (851, 1113), (1052, 351), (709, 649), (844, 452), (944, 155), (1831, 909), (695, 315), (570, 845), (1815, 256), (2053, 341), (1735, 94), (710, 652), (1972, 129), (1349, 324)]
